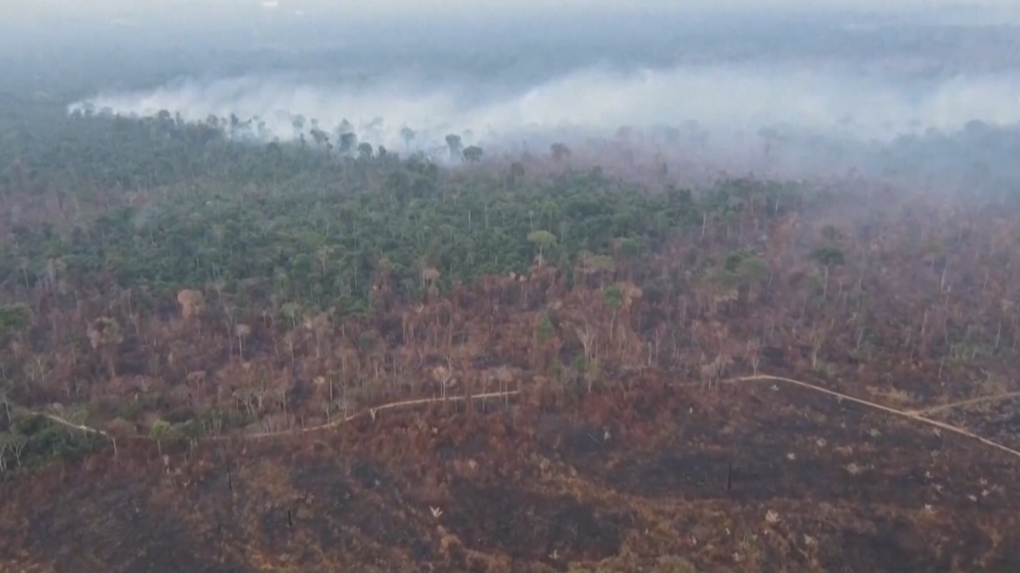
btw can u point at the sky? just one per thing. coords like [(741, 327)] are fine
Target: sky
[(46, 9), (70, 16)]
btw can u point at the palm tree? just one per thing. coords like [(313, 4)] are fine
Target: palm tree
[(541, 239)]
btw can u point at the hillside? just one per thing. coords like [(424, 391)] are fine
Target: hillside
[(229, 357)]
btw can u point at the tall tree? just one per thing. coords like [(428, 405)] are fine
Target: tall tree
[(454, 144)]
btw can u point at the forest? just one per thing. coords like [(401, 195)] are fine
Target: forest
[(326, 355)]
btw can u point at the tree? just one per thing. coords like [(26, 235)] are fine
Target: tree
[(544, 330), (592, 265), (14, 317), (559, 152), (586, 335), (291, 310), (348, 141), (105, 336), (752, 270), (516, 173), (5, 398), (753, 353), (444, 375), (454, 144), (159, 430), (365, 151), (118, 429), (323, 252), (320, 137), (407, 134), (473, 154), (14, 443), (614, 298), (542, 240), (191, 302), (14, 320), (77, 416), (828, 256), (241, 331), (746, 269), (192, 431)]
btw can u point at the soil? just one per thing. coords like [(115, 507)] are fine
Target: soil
[(997, 420), (643, 477)]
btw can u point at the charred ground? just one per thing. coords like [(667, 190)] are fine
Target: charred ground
[(203, 344), (748, 478)]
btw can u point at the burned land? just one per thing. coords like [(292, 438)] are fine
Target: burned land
[(223, 356)]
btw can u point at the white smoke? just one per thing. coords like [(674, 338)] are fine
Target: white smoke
[(594, 100)]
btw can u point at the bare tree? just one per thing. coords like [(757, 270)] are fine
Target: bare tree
[(817, 341), (117, 429), (241, 331), (753, 353), (16, 445), (713, 371), (4, 446), (105, 336), (274, 423), (4, 389), (587, 337), (327, 407), (443, 375)]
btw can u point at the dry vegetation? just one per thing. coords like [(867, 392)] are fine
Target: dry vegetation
[(774, 379)]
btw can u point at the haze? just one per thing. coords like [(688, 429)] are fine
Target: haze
[(506, 75), (509, 286)]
